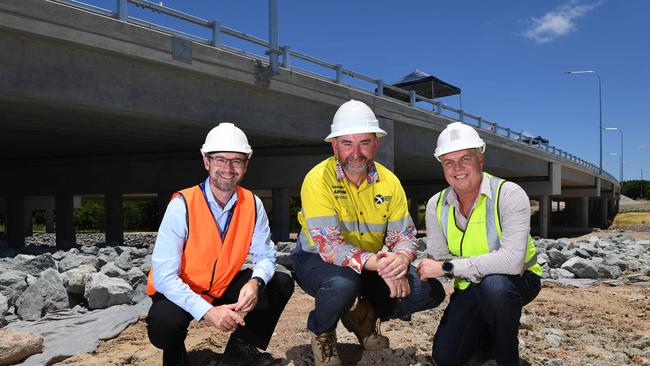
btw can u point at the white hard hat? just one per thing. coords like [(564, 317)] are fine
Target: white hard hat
[(354, 117), (458, 136), (226, 137)]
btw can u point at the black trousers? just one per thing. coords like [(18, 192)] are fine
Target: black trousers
[(167, 322)]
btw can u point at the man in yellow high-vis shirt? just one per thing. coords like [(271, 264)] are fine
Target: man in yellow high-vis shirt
[(351, 208), (478, 232)]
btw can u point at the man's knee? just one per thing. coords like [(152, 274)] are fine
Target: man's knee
[(283, 285), (343, 289), (444, 354), (498, 290), (166, 325), (436, 291)]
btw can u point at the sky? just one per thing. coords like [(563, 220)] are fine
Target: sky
[(508, 57)]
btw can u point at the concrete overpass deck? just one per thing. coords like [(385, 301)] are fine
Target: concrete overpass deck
[(93, 105)]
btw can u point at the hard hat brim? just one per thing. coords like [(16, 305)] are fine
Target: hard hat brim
[(356, 130)]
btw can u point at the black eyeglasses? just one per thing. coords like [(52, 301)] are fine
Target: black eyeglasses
[(221, 162)]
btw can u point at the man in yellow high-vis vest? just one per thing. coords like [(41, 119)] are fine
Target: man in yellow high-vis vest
[(478, 232), (352, 207)]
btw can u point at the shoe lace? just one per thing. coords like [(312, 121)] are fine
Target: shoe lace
[(376, 329), (328, 346)]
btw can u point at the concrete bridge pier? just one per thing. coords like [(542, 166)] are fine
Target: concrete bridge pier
[(65, 235), (583, 213), (49, 220), (15, 225), (604, 203), (544, 215), (113, 206), (280, 214), (163, 201)]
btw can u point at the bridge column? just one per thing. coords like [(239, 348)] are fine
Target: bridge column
[(544, 215), (29, 222), (15, 228), (603, 212), (163, 201), (280, 214), (64, 207), (114, 218), (583, 214)]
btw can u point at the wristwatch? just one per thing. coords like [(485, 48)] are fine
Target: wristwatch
[(448, 267), (260, 283)]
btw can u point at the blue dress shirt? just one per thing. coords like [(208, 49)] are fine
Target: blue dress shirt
[(167, 253)]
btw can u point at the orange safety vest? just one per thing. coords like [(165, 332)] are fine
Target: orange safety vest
[(209, 262)]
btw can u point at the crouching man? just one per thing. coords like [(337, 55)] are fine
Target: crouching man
[(203, 240)]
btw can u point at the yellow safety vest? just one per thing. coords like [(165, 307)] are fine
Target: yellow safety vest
[(482, 234)]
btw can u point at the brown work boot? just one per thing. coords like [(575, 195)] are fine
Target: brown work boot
[(324, 348), (362, 321)]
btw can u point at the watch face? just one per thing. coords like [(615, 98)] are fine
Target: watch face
[(447, 266)]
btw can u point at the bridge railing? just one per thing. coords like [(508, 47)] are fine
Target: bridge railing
[(337, 72)]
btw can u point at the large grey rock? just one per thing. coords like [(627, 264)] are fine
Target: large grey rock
[(76, 260), (75, 279), (4, 306), (111, 270), (14, 279), (581, 267), (34, 265), (139, 252), (146, 264), (45, 295), (102, 291), (88, 249), (580, 252), (614, 260), (556, 258), (123, 261), (17, 346), (557, 273), (135, 277), (605, 271)]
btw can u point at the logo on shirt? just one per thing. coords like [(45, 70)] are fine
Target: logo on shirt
[(379, 199), (339, 192)]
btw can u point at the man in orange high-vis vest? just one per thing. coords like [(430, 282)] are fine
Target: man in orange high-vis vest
[(196, 267)]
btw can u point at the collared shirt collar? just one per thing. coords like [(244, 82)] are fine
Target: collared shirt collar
[(212, 202), (373, 175), (452, 198)]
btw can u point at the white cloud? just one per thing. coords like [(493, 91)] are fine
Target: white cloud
[(557, 23), (642, 146)]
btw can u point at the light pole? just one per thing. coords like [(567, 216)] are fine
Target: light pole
[(600, 114), (621, 131)]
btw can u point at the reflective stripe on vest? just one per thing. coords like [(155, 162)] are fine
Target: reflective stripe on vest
[(482, 234), (209, 263)]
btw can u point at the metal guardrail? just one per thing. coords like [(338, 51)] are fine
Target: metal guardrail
[(287, 54)]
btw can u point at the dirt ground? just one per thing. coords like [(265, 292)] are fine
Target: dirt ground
[(600, 325)]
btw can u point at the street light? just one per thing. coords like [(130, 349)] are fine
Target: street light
[(600, 114), (621, 131)]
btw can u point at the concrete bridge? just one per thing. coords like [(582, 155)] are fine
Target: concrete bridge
[(91, 105)]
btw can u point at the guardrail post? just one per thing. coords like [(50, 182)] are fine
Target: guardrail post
[(216, 33), (285, 56), (273, 36), (437, 109), (412, 98), (508, 132), (480, 122), (380, 87), (461, 115), (339, 72), (121, 10)]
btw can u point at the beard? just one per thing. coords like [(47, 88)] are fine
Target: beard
[(226, 185), (356, 168)]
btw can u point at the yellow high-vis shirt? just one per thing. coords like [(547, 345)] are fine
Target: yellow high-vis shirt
[(346, 224)]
